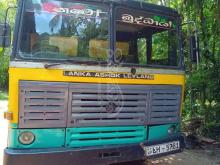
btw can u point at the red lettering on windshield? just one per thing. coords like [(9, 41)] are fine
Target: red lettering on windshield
[(49, 7)]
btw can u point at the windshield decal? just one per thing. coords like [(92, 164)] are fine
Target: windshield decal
[(76, 9), (145, 21)]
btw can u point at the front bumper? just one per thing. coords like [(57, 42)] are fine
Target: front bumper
[(83, 156)]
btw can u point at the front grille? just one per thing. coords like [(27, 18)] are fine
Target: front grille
[(96, 136), (60, 105), (165, 105), (43, 105), (107, 105)]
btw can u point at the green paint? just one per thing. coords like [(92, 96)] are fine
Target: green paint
[(87, 137), (13, 125), (44, 138), (161, 131), (97, 136)]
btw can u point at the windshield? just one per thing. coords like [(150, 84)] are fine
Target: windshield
[(151, 38), (56, 30), (80, 31)]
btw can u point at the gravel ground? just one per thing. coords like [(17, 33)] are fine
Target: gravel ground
[(188, 157), (3, 129)]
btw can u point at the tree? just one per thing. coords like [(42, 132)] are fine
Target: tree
[(4, 54), (204, 84)]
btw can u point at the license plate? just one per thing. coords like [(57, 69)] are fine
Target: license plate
[(162, 148)]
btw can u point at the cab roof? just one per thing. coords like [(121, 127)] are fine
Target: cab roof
[(141, 4)]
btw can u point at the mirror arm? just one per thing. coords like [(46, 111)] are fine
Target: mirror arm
[(5, 23), (196, 39), (7, 11)]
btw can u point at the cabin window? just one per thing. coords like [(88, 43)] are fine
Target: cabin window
[(61, 30), (152, 38)]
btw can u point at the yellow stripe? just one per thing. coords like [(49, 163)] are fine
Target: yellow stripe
[(55, 75)]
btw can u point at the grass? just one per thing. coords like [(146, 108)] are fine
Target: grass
[(3, 95)]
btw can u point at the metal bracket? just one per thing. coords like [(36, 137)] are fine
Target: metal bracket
[(196, 37), (8, 116)]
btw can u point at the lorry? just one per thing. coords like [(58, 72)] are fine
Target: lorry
[(93, 82)]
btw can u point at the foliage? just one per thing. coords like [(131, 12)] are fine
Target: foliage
[(3, 95), (4, 54), (4, 61), (203, 84)]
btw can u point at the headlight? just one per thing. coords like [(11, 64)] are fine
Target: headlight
[(172, 129), (26, 138)]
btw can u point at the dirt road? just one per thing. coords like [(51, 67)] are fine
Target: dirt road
[(188, 157), (3, 129)]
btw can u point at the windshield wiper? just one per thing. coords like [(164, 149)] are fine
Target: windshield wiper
[(47, 66)]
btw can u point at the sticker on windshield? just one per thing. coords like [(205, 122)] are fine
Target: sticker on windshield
[(145, 19), (140, 20), (73, 9)]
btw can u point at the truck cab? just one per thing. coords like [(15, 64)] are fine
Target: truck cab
[(94, 82)]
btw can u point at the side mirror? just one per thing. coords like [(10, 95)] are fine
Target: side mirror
[(194, 49), (5, 35)]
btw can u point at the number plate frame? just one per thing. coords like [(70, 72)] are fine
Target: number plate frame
[(161, 148)]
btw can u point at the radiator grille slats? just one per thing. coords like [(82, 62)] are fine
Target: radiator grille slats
[(165, 105), (90, 105), (95, 136), (58, 105), (103, 109), (164, 102), (107, 121), (161, 108), (98, 103), (163, 114), (43, 105), (44, 102), (97, 96), (104, 116), (41, 108), (43, 94), (45, 115)]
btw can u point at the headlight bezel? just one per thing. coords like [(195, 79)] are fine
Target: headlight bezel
[(26, 134)]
